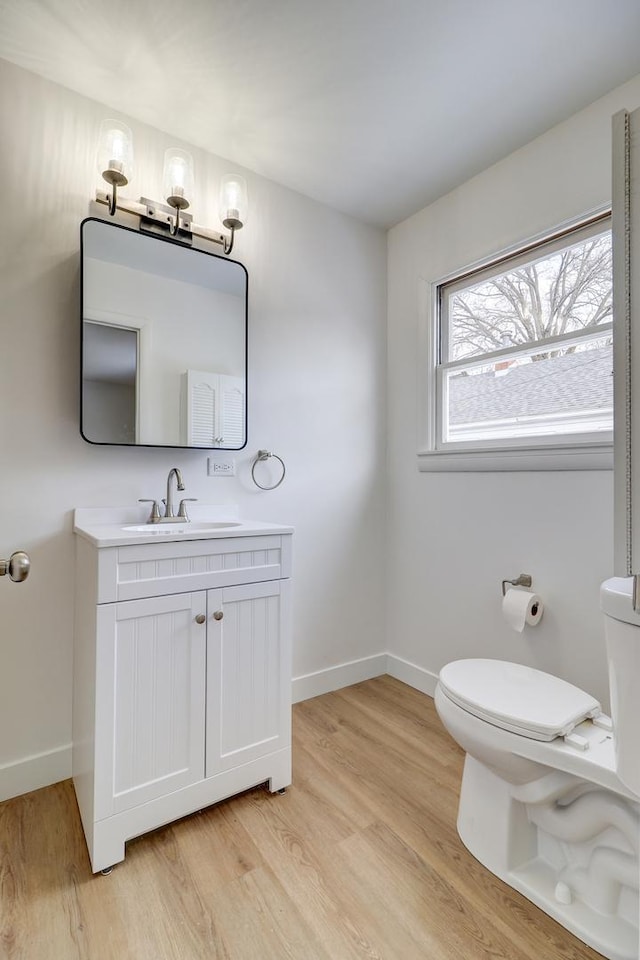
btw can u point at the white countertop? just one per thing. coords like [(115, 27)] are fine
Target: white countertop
[(106, 526)]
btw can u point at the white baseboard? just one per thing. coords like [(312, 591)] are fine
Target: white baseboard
[(34, 772), (334, 678), (345, 674), (409, 673), (43, 769)]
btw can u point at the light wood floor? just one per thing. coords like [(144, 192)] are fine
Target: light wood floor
[(359, 859)]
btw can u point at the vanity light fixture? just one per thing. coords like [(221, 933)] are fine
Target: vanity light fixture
[(233, 202), (115, 161), (177, 182), (115, 157)]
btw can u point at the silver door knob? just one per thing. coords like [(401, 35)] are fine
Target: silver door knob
[(200, 618), (218, 615), (17, 566)]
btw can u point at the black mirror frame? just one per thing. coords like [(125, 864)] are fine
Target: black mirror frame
[(162, 239)]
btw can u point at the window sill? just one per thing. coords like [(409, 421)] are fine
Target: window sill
[(595, 457)]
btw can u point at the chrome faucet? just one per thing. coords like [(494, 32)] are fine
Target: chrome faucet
[(169, 513)]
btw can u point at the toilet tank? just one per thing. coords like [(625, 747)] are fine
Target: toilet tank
[(622, 635)]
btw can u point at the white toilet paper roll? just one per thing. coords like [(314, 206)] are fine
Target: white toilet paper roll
[(520, 607)]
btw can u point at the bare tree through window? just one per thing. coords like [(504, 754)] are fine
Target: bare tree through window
[(567, 291), (526, 344)]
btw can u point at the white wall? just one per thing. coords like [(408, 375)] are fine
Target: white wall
[(316, 397), (454, 537)]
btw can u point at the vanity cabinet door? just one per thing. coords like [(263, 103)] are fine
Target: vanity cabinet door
[(150, 699), (248, 673)]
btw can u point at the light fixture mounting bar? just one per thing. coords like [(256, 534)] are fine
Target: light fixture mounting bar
[(156, 214), (160, 218)]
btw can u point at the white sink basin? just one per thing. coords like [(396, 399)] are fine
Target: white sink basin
[(174, 528), (122, 526)]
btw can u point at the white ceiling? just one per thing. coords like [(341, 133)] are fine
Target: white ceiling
[(376, 107)]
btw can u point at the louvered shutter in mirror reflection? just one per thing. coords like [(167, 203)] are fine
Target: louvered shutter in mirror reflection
[(232, 414), (215, 410), (203, 413)]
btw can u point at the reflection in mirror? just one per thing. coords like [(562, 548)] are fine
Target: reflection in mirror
[(164, 342), (110, 382)]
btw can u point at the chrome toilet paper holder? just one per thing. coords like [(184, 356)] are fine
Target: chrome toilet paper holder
[(524, 580)]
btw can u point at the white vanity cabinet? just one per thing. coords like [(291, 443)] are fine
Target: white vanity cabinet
[(182, 678)]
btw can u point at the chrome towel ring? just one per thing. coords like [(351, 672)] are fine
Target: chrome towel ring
[(264, 455)]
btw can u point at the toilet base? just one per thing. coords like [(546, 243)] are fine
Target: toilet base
[(568, 846)]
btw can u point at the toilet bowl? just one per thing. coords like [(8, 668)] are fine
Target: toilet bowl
[(549, 800)]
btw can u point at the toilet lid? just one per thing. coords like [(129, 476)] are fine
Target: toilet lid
[(517, 698)]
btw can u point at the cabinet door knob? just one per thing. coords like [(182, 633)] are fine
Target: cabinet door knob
[(200, 618), (17, 566), (218, 615)]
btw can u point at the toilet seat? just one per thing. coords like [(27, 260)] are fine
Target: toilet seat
[(517, 698)]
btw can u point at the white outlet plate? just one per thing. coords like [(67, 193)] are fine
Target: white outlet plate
[(221, 468)]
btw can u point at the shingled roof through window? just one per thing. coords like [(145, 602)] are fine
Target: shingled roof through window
[(574, 381)]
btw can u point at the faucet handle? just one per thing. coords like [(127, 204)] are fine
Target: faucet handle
[(154, 516), (182, 510)]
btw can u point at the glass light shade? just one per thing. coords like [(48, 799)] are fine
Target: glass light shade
[(115, 152), (233, 201), (177, 178)]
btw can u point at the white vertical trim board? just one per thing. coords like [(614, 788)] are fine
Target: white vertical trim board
[(31, 773)]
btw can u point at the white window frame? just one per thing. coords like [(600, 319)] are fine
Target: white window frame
[(578, 451)]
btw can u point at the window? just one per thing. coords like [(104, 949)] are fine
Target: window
[(523, 349)]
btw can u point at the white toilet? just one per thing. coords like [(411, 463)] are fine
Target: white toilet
[(549, 800)]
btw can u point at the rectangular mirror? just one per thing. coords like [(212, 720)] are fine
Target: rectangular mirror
[(164, 342)]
